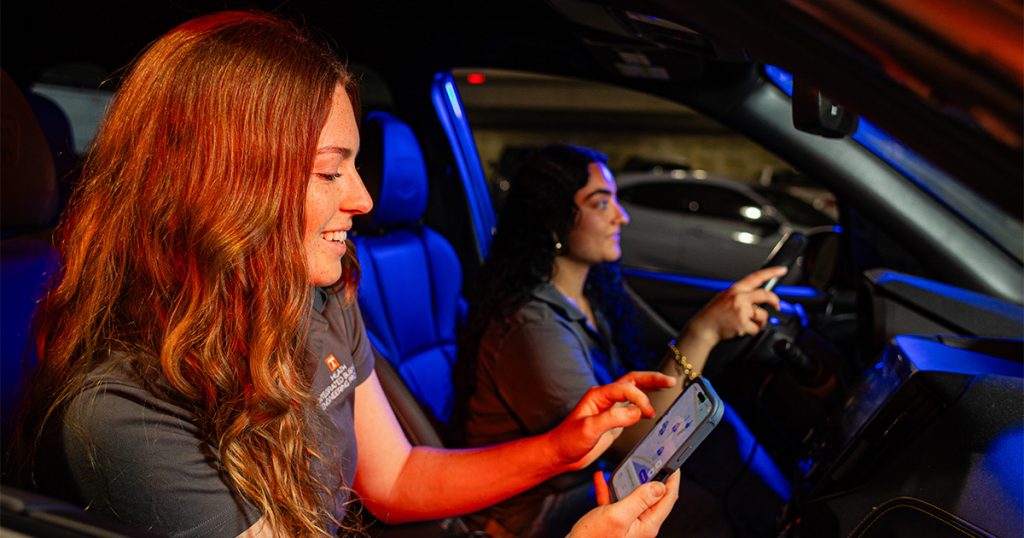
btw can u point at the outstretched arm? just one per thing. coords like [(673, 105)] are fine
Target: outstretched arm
[(731, 313), (398, 482)]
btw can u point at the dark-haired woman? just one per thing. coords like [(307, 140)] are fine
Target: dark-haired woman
[(204, 369), (551, 319)]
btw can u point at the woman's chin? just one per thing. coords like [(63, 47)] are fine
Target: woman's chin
[(325, 278)]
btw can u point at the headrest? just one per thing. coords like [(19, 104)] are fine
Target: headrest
[(392, 167), (29, 183), (56, 128)]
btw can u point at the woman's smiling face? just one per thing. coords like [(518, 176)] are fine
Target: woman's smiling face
[(335, 193)]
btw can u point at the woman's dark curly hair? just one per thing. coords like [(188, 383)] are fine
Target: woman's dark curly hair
[(539, 209)]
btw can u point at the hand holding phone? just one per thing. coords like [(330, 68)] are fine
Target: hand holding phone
[(675, 436)]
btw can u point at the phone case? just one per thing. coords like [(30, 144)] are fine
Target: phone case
[(642, 463)]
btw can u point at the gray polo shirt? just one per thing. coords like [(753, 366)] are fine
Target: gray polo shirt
[(150, 467), (532, 370)]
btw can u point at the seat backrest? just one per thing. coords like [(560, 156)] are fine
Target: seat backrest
[(410, 292), (28, 180), (59, 136), (25, 513), (27, 258)]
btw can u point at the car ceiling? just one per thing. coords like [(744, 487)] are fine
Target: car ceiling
[(958, 106)]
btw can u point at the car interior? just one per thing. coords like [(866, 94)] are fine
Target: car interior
[(886, 398), (411, 281)]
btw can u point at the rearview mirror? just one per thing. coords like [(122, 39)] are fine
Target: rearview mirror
[(815, 113)]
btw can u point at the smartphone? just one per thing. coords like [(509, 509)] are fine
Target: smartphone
[(675, 436), (785, 254)]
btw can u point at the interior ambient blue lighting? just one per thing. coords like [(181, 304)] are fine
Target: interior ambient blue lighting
[(806, 465), (801, 313), (448, 106), (761, 464), (453, 99), (781, 78), (714, 284), (1005, 463), (928, 354), (977, 300)]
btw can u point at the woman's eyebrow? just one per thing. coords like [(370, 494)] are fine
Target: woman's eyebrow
[(344, 152), (598, 191)]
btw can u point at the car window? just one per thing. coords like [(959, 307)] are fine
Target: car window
[(688, 198), (1003, 229), (660, 196), (799, 210), (512, 113), (723, 203), (82, 92)]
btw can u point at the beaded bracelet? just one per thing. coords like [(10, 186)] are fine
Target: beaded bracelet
[(688, 371)]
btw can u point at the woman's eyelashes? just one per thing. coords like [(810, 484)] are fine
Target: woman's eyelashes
[(335, 175)]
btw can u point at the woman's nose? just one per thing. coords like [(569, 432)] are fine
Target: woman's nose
[(623, 215), (357, 200)]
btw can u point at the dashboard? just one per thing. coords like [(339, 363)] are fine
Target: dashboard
[(931, 434)]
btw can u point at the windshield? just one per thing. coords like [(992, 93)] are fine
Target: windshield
[(1004, 230)]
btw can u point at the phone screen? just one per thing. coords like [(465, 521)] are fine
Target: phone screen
[(670, 433)]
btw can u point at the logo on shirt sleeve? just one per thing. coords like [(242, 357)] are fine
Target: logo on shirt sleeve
[(332, 362)]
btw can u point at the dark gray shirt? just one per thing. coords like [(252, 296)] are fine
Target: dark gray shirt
[(532, 370), (140, 458)]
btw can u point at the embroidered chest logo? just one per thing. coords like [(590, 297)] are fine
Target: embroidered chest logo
[(342, 377)]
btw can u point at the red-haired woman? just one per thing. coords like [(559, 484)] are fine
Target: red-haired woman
[(204, 370)]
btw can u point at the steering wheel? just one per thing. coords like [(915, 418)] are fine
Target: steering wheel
[(774, 343), (780, 409)]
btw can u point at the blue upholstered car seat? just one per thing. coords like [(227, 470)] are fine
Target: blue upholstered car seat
[(27, 258), (410, 292)]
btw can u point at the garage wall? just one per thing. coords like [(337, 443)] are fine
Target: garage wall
[(719, 154), (518, 110)]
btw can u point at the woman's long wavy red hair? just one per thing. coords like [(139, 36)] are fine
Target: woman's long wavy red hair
[(183, 246)]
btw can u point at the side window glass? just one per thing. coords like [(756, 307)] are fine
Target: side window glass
[(723, 203), (82, 92), (658, 196), (668, 160)]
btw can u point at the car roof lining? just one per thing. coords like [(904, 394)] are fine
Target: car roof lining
[(520, 34)]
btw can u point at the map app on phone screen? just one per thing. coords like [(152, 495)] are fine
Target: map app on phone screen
[(688, 415)]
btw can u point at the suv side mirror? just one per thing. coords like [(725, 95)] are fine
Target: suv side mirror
[(815, 113)]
